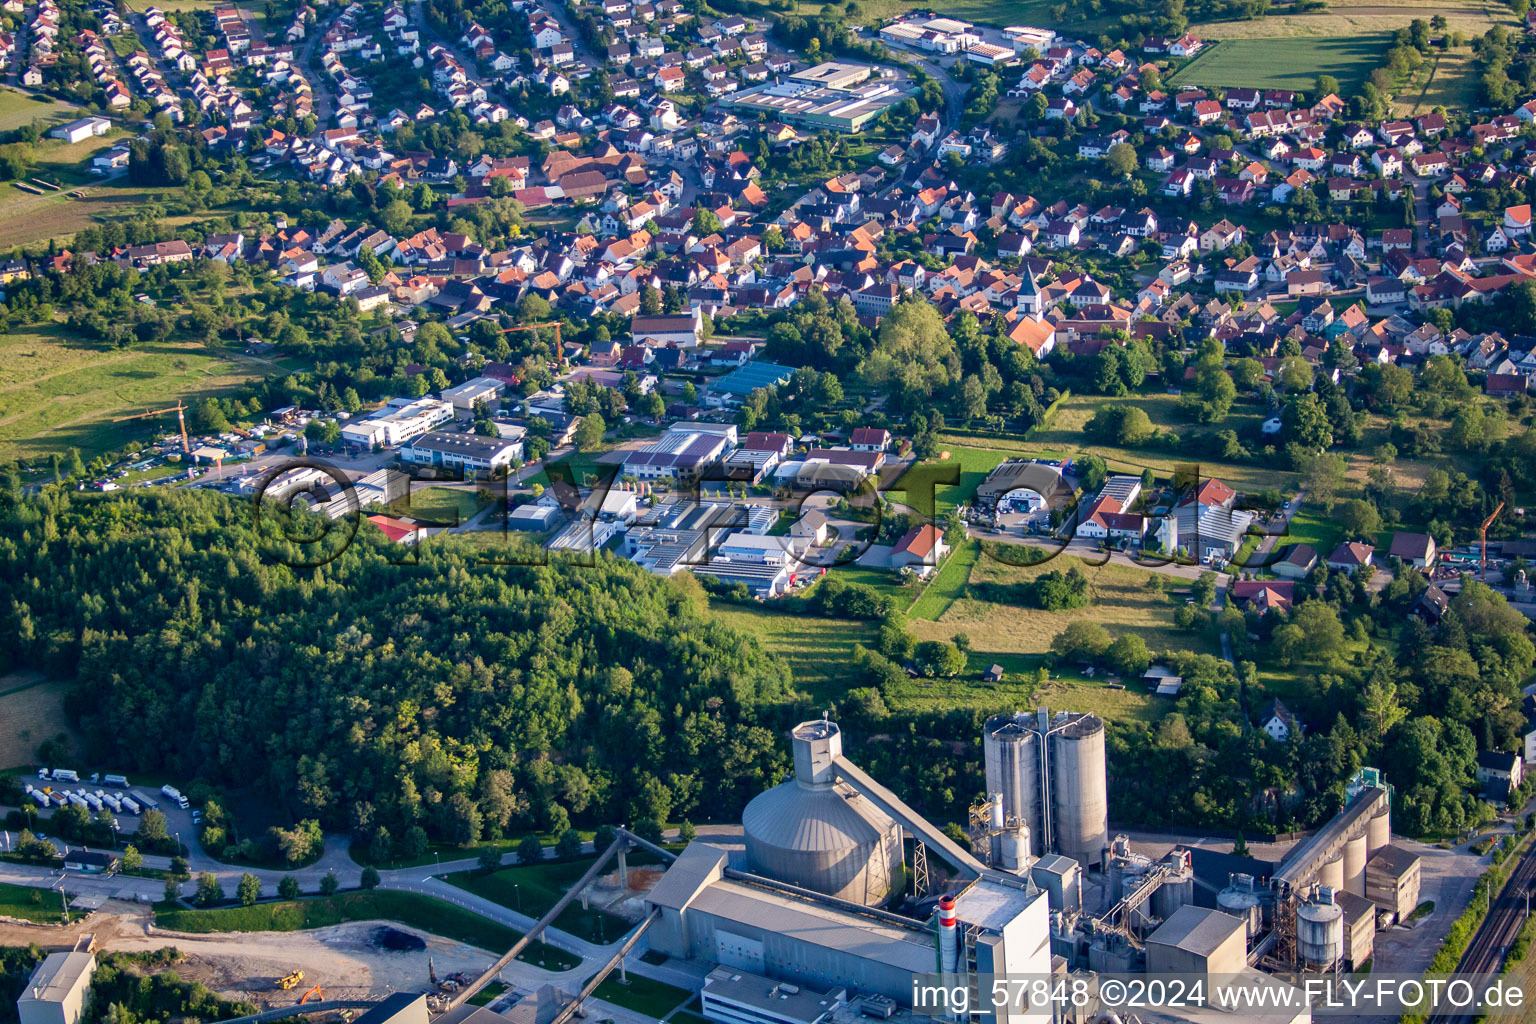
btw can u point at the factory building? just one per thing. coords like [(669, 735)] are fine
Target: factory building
[(1392, 881), (1052, 775), (823, 853), (1196, 940)]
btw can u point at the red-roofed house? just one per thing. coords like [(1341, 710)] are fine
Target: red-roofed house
[(922, 546)]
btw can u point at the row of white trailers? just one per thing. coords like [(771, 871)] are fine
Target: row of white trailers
[(100, 800)]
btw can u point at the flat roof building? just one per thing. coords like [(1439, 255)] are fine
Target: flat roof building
[(399, 421), (833, 95), (730, 996), (470, 452), (1392, 881), (55, 994), (480, 389)]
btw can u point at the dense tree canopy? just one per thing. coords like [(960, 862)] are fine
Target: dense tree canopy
[(451, 696)]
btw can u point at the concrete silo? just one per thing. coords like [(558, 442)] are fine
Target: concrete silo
[(1052, 775), (1331, 873), (1320, 931), (1378, 831), (1079, 789), (818, 833), (1011, 751), (1355, 856)]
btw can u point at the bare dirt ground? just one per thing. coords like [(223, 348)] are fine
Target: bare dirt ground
[(344, 961)]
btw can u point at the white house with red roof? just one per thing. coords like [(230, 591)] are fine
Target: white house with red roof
[(921, 547)]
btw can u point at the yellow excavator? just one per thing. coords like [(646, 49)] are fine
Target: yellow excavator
[(289, 981)]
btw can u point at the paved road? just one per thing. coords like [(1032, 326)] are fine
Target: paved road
[(1485, 953)]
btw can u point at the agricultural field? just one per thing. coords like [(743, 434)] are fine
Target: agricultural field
[(1451, 83), (1121, 599), (58, 391), (32, 709), (1349, 20), (1287, 61)]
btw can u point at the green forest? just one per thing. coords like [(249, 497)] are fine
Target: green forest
[(445, 701)]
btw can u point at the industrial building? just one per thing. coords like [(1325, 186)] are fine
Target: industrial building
[(825, 852), (472, 453), (1024, 482), (400, 420), (55, 994), (1052, 777), (835, 96)]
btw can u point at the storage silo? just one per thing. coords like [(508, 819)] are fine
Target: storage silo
[(1013, 848), (1080, 790), (819, 834), (1011, 752), (1378, 831), (1241, 900), (1331, 873), (1177, 890), (1320, 931), (1355, 856)]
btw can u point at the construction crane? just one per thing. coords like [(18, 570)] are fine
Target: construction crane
[(1482, 563), (556, 324), (181, 418)]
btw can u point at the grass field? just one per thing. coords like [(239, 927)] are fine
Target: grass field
[(975, 460), (58, 391), (1287, 62), (1064, 437), (819, 651), (946, 587), (448, 506), (26, 903), (407, 908), (1120, 599), (652, 998), (533, 889), (19, 108), (1451, 83), (31, 713), (487, 995)]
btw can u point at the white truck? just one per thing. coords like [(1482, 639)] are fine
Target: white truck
[(110, 800), (65, 775), (129, 804), (173, 794), (41, 798), (120, 781)]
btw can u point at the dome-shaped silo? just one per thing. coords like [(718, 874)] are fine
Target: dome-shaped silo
[(819, 834), (1079, 790), (1011, 752), (1241, 900)]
